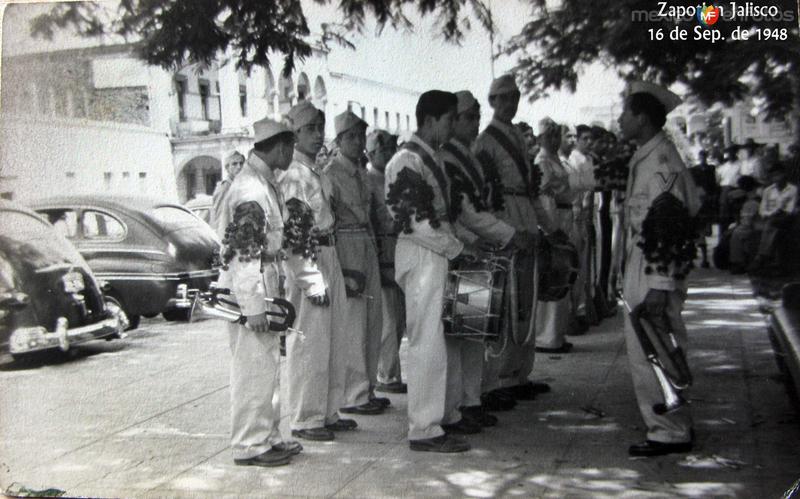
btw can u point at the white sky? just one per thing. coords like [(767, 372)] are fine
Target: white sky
[(419, 60)]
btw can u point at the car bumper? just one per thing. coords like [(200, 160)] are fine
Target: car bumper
[(34, 339)]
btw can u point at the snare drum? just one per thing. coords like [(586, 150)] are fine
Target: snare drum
[(473, 298)]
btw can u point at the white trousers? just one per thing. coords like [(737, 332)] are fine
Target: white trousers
[(363, 317), (422, 275), (394, 325), (552, 322), (675, 426), (315, 365), (255, 389), (464, 373)]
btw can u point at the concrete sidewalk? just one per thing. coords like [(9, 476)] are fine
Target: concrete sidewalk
[(163, 432)]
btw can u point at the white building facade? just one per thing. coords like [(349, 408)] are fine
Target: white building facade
[(99, 120)]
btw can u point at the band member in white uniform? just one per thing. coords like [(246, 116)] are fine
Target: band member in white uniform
[(474, 222), (416, 194), (503, 152), (251, 215), (316, 366), (656, 168)]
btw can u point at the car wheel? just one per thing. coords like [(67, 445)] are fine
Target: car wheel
[(177, 314), (127, 322)]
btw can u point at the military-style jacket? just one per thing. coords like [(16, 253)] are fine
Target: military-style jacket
[(439, 239), (302, 181), (246, 279), (473, 220), (350, 192), (655, 168)]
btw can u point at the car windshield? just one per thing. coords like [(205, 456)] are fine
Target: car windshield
[(26, 238), (174, 218)]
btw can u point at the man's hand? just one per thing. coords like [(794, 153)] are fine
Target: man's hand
[(655, 302), (258, 323), (320, 300)]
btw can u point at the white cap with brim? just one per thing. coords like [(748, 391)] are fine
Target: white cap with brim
[(345, 121), (303, 114), (669, 100), (503, 85), (267, 128)]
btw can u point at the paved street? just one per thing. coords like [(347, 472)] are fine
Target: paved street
[(148, 417)]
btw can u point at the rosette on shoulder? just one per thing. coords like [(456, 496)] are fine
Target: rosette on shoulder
[(409, 195), (299, 233), (245, 236), (668, 237)]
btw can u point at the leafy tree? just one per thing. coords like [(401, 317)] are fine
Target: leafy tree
[(172, 33), (557, 42), (550, 50)]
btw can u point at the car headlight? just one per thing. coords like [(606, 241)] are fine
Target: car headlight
[(73, 282), (172, 250)]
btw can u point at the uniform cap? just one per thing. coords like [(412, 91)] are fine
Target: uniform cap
[(303, 114), (267, 128), (345, 121), (466, 101), (378, 138), (668, 99), (503, 85)]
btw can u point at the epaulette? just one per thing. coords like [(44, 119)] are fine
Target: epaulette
[(245, 236), (299, 233), (668, 237), (409, 195)]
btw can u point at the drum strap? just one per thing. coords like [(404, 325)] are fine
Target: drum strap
[(513, 153), (434, 168), (467, 164)]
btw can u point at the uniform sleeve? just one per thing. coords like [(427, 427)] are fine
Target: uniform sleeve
[(305, 271), (441, 239), (244, 277), (484, 224)]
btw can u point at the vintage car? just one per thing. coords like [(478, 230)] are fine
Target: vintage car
[(49, 297), (201, 206), (142, 248)]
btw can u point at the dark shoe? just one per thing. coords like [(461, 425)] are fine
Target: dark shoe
[(342, 425), (396, 387), (528, 391), (292, 447), (444, 443), (494, 402), (381, 401), (579, 327), (463, 427), (651, 448), (564, 348), (272, 457), (476, 414), (318, 434), (368, 409)]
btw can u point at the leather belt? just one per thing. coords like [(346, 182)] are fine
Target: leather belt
[(516, 192), (352, 228)]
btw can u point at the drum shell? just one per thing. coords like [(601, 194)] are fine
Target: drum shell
[(473, 302)]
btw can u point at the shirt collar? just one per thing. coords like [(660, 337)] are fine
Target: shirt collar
[(374, 171), (306, 160), (258, 165), (349, 167), (645, 149)]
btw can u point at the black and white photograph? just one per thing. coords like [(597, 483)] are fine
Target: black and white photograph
[(400, 248)]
